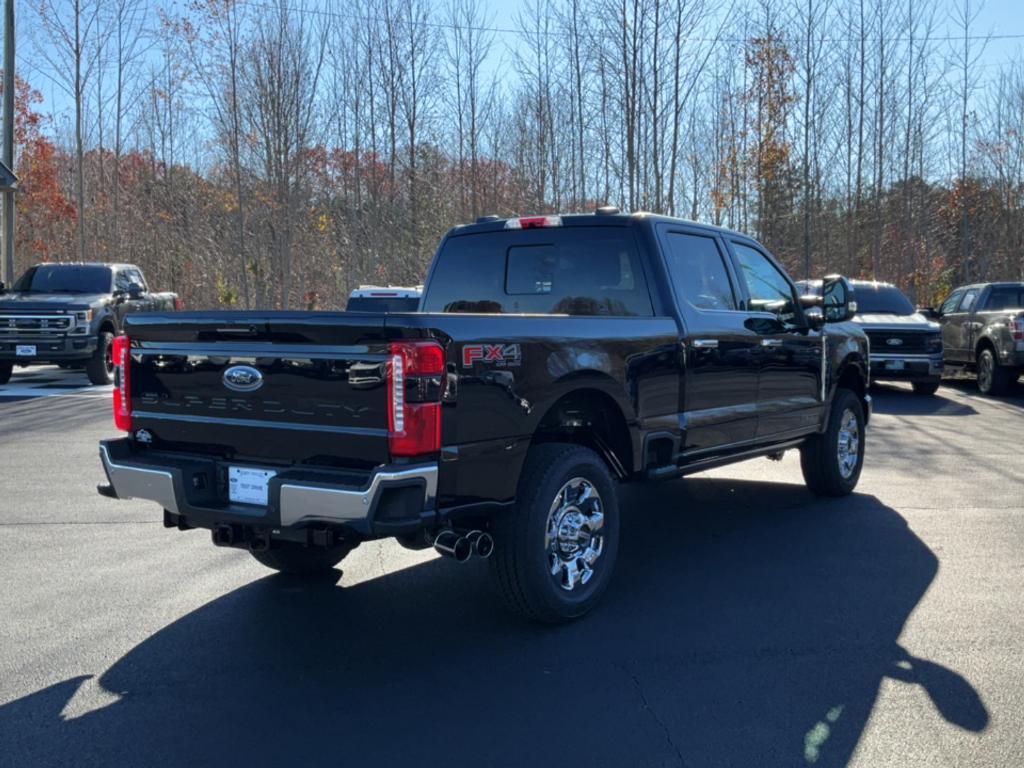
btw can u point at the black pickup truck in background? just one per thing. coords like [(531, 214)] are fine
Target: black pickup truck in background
[(983, 331), (69, 314), (553, 357)]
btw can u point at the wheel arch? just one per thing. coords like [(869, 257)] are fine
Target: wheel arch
[(588, 414), (852, 374), (983, 343), (107, 325)]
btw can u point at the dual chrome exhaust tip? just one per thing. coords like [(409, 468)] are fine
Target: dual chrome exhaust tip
[(461, 545)]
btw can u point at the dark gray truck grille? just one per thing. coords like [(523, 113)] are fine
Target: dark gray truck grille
[(910, 342), (34, 323)]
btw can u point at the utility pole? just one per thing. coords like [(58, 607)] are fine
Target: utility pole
[(8, 212)]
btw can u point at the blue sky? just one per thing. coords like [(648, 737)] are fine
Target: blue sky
[(997, 17)]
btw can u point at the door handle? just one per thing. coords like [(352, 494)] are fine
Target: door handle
[(771, 342), (705, 343)]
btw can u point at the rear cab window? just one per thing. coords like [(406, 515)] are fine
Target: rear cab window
[(574, 270)]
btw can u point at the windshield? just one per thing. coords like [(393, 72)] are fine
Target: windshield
[(61, 278), (881, 300), (1006, 297)]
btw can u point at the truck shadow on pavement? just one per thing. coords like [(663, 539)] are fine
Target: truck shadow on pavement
[(749, 624), (901, 401)]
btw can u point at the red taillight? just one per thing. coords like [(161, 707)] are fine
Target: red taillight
[(179, 303), (122, 383), (415, 382), (534, 222), (1017, 328)]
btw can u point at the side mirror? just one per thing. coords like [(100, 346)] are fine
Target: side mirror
[(135, 291), (930, 312), (837, 299), (2, 286)]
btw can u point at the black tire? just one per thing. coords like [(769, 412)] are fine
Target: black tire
[(100, 368), (5, 371), (524, 560), (820, 455), (925, 387), (293, 558), (993, 378)]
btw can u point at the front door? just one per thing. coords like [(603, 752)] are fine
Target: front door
[(718, 392), (956, 329), (790, 354)]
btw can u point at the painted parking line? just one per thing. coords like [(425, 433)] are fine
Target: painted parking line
[(50, 382)]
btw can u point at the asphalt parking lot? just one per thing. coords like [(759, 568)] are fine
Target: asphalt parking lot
[(749, 623)]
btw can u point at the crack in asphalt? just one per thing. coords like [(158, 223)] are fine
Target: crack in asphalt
[(656, 718)]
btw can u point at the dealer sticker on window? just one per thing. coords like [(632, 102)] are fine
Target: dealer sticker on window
[(249, 486)]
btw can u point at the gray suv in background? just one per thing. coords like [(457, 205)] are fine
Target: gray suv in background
[(905, 345)]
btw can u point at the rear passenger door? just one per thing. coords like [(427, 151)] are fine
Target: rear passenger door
[(718, 387), (790, 354)]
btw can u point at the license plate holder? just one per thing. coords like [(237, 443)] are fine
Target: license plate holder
[(25, 350), (895, 365), (248, 485)]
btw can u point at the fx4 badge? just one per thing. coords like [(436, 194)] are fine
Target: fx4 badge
[(501, 355)]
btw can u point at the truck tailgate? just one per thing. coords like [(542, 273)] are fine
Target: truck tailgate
[(262, 386)]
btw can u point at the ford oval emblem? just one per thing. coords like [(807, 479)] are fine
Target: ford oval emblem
[(894, 342), (243, 378)]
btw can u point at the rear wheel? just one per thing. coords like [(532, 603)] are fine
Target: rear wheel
[(100, 368), (5, 372), (832, 462), (926, 387), (290, 557), (555, 549), (993, 378)]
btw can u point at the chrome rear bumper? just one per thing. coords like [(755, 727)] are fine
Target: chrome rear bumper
[(296, 498)]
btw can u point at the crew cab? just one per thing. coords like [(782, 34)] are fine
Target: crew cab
[(69, 314), (554, 357), (983, 331), (905, 345)]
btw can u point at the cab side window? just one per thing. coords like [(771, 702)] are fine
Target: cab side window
[(968, 302), (769, 289), (949, 305), (698, 272), (121, 281), (135, 276)]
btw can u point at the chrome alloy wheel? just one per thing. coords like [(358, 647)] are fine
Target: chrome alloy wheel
[(573, 539), (849, 444)]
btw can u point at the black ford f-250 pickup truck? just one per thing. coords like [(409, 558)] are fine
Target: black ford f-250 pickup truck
[(70, 313), (553, 357)]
